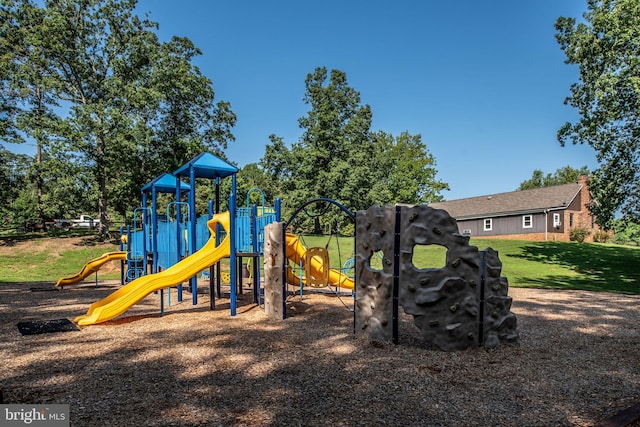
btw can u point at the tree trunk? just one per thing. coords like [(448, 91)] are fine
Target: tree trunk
[(103, 228), (39, 142)]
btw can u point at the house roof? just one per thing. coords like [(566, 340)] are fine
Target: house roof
[(516, 202)]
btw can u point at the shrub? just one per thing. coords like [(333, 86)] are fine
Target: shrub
[(601, 236), (578, 234)]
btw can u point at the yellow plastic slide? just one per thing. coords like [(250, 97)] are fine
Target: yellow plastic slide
[(122, 299), (297, 252), (91, 267)]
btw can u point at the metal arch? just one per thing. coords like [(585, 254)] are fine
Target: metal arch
[(321, 199)]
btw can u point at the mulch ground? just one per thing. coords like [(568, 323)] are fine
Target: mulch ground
[(577, 364)]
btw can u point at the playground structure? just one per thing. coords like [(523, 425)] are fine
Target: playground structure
[(128, 295), (197, 244), (457, 306)]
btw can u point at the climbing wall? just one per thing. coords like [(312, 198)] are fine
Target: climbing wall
[(374, 298), (273, 269), (499, 323), (459, 305)]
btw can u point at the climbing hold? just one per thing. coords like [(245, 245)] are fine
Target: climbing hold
[(411, 288), (456, 262), (437, 231), (434, 322), (387, 261), (413, 216), (384, 322), (425, 281), (453, 326), (496, 287), (454, 307), (473, 283)]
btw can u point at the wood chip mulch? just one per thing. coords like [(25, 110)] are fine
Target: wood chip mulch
[(577, 364)]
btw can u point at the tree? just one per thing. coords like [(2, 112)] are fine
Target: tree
[(606, 48), (335, 125), (253, 176), (28, 112), (134, 107), (564, 175), (13, 180), (409, 170), (338, 157)]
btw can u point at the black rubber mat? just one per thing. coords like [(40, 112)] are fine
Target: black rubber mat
[(46, 326), (43, 288)]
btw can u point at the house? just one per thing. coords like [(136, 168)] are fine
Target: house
[(547, 213)]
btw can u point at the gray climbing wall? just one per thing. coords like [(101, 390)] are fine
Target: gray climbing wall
[(273, 269), (499, 322), (374, 233), (459, 305)]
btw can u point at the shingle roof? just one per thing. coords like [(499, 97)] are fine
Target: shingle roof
[(535, 200)]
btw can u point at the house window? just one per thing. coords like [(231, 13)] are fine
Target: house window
[(488, 224), (571, 219), (556, 220), (593, 221), (527, 221)]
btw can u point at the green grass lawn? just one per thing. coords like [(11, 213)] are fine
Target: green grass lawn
[(35, 264), (568, 265), (551, 265)]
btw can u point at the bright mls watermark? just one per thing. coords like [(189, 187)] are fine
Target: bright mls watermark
[(34, 415)]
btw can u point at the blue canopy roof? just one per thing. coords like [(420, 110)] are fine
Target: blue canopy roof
[(206, 165), (165, 183)]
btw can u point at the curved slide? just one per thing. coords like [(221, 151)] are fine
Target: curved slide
[(296, 252), (122, 299), (91, 267)]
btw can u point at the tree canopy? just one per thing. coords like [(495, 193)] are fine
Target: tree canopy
[(606, 47), (564, 175), (89, 79), (339, 157)]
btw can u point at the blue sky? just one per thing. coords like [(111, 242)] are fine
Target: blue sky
[(482, 82)]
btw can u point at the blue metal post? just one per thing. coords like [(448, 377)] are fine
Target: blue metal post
[(212, 296), (154, 228), (232, 244), (178, 237), (192, 226), (122, 247), (145, 229), (277, 208), (178, 219), (255, 242), (218, 228)]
